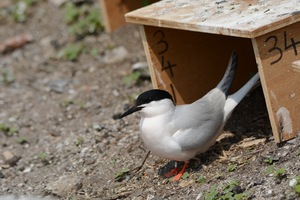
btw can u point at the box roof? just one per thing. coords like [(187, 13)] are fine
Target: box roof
[(242, 18)]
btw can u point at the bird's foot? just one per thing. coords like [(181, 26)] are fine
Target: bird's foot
[(177, 177), (174, 171)]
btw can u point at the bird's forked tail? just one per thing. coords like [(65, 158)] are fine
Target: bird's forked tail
[(226, 82), (234, 99)]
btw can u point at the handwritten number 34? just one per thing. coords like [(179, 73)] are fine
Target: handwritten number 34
[(286, 47)]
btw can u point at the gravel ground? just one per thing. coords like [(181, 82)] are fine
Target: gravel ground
[(66, 112)]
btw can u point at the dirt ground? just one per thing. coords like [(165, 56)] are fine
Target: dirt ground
[(84, 146)]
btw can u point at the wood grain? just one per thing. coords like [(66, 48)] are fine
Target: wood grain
[(280, 82), (248, 19), (114, 11), (296, 65), (201, 60)]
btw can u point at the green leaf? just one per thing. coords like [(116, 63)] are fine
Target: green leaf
[(201, 179), (247, 193), (270, 160), (113, 161), (298, 153), (21, 139), (120, 173), (227, 196), (171, 179), (13, 130), (297, 189), (279, 172), (3, 127), (270, 169), (42, 156), (239, 196), (126, 170), (231, 167), (184, 175)]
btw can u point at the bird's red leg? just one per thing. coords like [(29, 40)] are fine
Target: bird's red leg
[(174, 171), (177, 177)]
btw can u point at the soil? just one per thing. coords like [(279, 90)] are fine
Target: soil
[(83, 143)]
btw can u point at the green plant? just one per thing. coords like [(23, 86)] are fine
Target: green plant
[(212, 192), (295, 184), (83, 20), (270, 169), (201, 179), (42, 156), (226, 193), (232, 167), (278, 173), (21, 140), (110, 47), (270, 160), (3, 127), (113, 161), (298, 153), (133, 77), (78, 141), (12, 130), (72, 51), (121, 173), (184, 176), (6, 77)]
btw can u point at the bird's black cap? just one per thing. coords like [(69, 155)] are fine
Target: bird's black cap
[(147, 97)]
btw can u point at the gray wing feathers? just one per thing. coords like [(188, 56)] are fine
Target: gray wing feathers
[(226, 82), (202, 122)]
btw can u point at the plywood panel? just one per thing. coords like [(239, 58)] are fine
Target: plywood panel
[(114, 11), (243, 18), (189, 64), (275, 52)]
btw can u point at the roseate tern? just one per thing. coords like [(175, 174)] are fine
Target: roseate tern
[(181, 132)]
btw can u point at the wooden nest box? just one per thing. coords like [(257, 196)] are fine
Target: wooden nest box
[(188, 44), (114, 10)]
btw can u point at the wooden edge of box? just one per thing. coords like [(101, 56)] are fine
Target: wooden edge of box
[(150, 64), (265, 90)]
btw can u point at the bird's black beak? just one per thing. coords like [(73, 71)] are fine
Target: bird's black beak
[(131, 110)]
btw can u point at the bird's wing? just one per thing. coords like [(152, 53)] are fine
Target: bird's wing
[(197, 124)]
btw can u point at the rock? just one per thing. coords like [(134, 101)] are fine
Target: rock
[(82, 153), (237, 190), (58, 85), (116, 55), (142, 67), (257, 182), (5, 189), (293, 141), (116, 93), (13, 161), (134, 60), (7, 155), (2, 175), (69, 168), (90, 161), (63, 186), (57, 3), (25, 198), (150, 172)]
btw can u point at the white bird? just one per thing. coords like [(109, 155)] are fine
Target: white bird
[(181, 132)]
